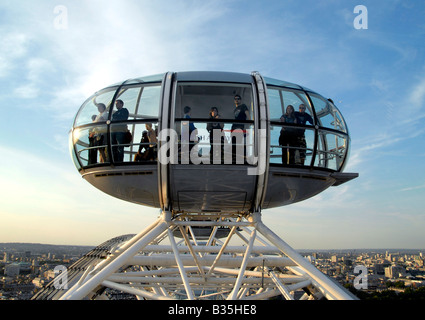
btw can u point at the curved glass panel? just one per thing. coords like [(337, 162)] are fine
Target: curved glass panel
[(328, 115), (332, 150), (93, 106), (72, 152), (147, 79), (225, 128), (101, 141), (91, 145), (281, 83), (141, 80)]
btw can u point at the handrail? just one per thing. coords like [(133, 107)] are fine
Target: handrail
[(321, 159)]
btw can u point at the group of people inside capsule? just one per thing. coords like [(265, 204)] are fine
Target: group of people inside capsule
[(241, 113), (119, 138), (291, 139)]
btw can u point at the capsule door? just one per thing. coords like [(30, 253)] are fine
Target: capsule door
[(214, 125)]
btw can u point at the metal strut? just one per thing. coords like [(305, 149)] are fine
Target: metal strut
[(235, 257)]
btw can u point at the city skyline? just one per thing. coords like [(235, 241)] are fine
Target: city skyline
[(55, 55), (372, 273)]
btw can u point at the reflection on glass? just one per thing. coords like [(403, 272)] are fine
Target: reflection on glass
[(71, 150), (90, 146), (91, 143)]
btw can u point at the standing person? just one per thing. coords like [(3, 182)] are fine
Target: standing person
[(100, 132), (288, 136), (302, 118), (241, 113), (193, 131), (151, 152), (118, 131), (92, 144), (215, 129)]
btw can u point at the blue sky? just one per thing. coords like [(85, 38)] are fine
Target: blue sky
[(56, 54)]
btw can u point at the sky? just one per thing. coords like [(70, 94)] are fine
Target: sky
[(371, 62)]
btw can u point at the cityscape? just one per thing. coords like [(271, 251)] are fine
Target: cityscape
[(368, 273)]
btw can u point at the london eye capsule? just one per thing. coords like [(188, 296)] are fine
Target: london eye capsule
[(200, 142)]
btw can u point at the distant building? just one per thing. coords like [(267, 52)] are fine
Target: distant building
[(379, 268), (394, 271), (12, 270), (50, 274), (419, 262), (38, 282)]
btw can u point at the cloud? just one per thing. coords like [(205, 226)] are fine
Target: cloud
[(36, 71), (413, 188), (14, 46), (27, 91), (417, 95), (105, 44)]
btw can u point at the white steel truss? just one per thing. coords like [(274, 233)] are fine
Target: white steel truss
[(231, 257)]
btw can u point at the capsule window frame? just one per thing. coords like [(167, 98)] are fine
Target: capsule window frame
[(134, 113), (300, 94), (329, 111), (89, 102), (177, 107), (323, 131)]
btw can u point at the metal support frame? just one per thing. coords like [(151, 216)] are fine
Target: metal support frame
[(171, 260)]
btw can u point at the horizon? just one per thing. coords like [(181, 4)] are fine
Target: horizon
[(298, 249)]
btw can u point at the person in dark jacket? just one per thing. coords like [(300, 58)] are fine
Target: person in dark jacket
[(118, 131)]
